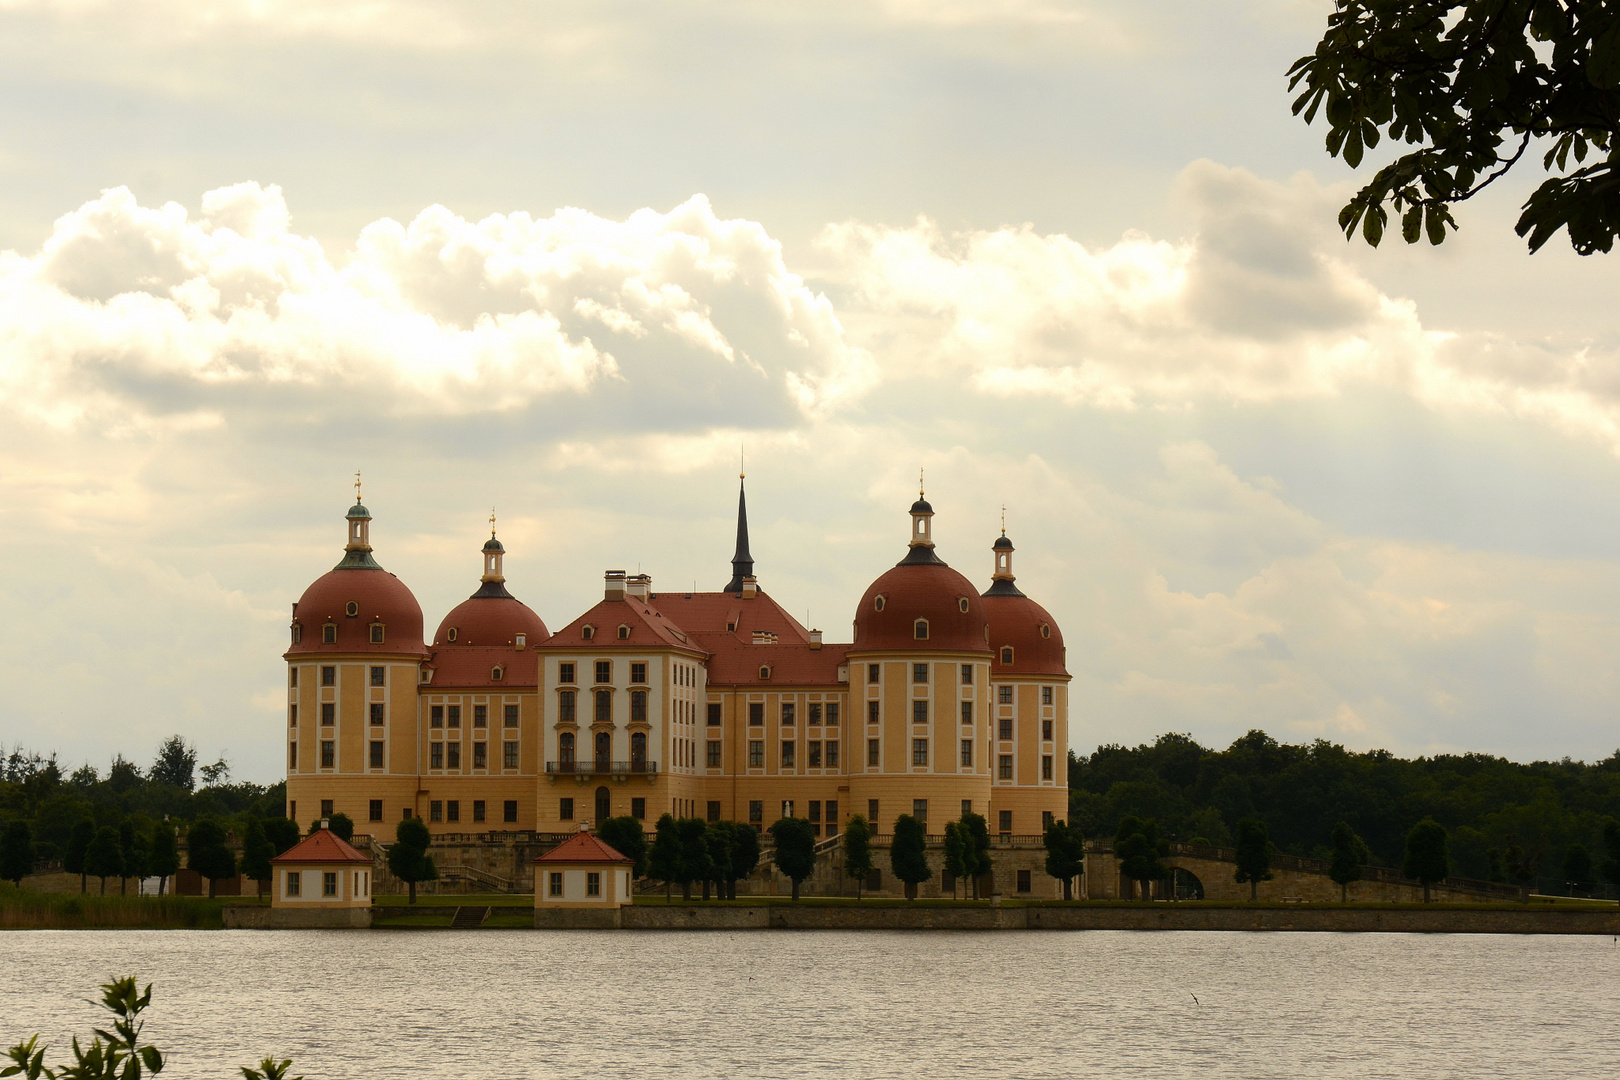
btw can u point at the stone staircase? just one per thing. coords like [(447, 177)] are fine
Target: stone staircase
[(469, 918)]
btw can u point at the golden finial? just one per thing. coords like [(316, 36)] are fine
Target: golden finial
[(357, 486), (1003, 519), (492, 521), (742, 462), (919, 482)]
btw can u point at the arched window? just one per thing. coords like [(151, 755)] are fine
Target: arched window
[(495, 674), (351, 609), (604, 805), (587, 632), (565, 747), (297, 633), (376, 633), (877, 602), (638, 748), (624, 632), (565, 707), (604, 706), (329, 633), (604, 751), (638, 706), (919, 630), (764, 671), (1006, 654)]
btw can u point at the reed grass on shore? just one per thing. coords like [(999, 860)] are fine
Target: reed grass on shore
[(21, 909)]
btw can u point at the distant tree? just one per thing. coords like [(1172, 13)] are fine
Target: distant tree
[(77, 846), (85, 776), (16, 853), (208, 854), (103, 859), (1428, 856), (217, 773), (625, 835), (257, 851), (124, 775), (744, 854), (176, 764), (1254, 852), (858, 851), (975, 849), (1610, 866), (1138, 848), (1578, 868), (281, 832), (717, 838), (955, 844), (1349, 856), (664, 858), (795, 853), (695, 864), (1520, 866), (908, 853), (408, 859), (162, 857), (1065, 855), (132, 847), (341, 824)]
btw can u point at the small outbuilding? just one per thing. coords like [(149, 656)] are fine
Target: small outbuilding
[(582, 882), (320, 882)]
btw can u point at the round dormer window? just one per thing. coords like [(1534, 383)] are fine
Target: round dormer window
[(351, 609), (1046, 630), (963, 604), (877, 603), (450, 635)]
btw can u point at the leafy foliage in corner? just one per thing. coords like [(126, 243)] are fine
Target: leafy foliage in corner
[(118, 1054), (1470, 84)]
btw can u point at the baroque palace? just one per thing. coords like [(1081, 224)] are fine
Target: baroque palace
[(710, 704)]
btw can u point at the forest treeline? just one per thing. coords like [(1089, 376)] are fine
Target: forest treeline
[(1301, 791), (36, 790)]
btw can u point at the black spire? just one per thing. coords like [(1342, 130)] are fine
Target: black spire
[(742, 563)]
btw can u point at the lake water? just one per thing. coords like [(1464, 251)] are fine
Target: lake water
[(763, 1004)]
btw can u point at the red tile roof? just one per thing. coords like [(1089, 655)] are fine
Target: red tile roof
[(582, 847), (472, 666), (648, 627), (321, 846)]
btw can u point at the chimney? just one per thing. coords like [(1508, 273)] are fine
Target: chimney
[(614, 589), (815, 639), (326, 823), (520, 642), (750, 587), (639, 586)]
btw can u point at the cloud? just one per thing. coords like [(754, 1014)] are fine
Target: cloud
[(131, 314)]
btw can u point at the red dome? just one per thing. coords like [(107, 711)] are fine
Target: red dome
[(1036, 641), (921, 590), (376, 596), (490, 618)]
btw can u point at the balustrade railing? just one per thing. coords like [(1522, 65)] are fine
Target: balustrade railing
[(602, 767)]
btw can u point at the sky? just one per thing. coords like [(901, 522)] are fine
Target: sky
[(1070, 257)]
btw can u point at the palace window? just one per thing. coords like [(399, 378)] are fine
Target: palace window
[(329, 883), (455, 755), (480, 755), (832, 817), (1046, 630), (873, 672), (1004, 822), (714, 714), (1046, 695), (565, 747), (638, 808), (1023, 881), (452, 810), (712, 754), (967, 674), (919, 810), (604, 707), (919, 751), (376, 633), (292, 676), (638, 706), (593, 883), (509, 754), (967, 712), (436, 810), (967, 752), (554, 882), (873, 711), (756, 754), (450, 635), (292, 756), (756, 812), (813, 748), (326, 808), (756, 713), (351, 609), (832, 753), (873, 749), (480, 716), (787, 714), (638, 673), (713, 810), (377, 756), (919, 673), (565, 809), (1006, 728), (919, 712), (919, 630), (496, 674), (328, 754), (294, 883), (1046, 730), (872, 814), (376, 713), (297, 636), (510, 713), (565, 672), (832, 714), (328, 714), (588, 632), (1004, 767), (478, 809), (787, 754), (1004, 695), (878, 602), (565, 707), (455, 716), (604, 671), (437, 714), (375, 810), (764, 671), (1046, 766), (815, 713), (328, 676), (292, 716), (1006, 654), (509, 810), (329, 633), (436, 755), (378, 673)]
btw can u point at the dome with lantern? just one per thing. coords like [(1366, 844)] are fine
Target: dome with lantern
[(921, 604), (492, 615), (1024, 637), (357, 606)]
